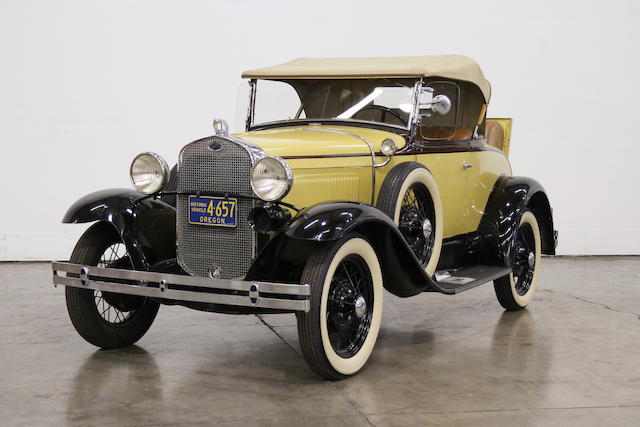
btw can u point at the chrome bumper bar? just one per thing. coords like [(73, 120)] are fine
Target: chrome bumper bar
[(281, 296)]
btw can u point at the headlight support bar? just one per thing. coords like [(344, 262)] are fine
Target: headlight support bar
[(217, 194)]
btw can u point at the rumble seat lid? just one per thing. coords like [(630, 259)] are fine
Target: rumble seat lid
[(456, 67)]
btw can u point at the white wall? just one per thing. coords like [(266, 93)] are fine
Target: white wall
[(85, 85)]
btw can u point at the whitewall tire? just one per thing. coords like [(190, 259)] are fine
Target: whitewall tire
[(410, 196), (515, 291), (339, 332)]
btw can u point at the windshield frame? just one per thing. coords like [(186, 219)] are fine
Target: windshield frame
[(251, 126)]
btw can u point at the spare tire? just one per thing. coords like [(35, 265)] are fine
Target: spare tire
[(410, 196)]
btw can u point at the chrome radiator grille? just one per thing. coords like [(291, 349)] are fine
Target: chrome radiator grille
[(214, 164)]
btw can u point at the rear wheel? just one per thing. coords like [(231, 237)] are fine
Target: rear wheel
[(515, 291), (107, 319), (339, 332)]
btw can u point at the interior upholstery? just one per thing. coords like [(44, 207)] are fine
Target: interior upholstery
[(445, 133), (494, 134)]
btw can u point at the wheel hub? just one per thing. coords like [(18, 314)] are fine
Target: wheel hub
[(411, 220), (349, 306), (124, 303), (531, 259), (427, 228), (360, 307)]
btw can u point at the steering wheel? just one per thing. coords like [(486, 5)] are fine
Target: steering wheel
[(384, 110)]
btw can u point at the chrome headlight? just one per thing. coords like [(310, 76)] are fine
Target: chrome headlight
[(149, 173), (271, 178)]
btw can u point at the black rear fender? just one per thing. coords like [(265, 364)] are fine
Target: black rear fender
[(147, 227), (509, 199), (283, 258)]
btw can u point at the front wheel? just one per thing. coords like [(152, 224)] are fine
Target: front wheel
[(339, 332), (515, 291), (107, 319)]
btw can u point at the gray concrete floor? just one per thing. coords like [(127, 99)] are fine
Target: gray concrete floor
[(572, 358)]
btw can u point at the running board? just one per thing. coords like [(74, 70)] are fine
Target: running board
[(455, 281)]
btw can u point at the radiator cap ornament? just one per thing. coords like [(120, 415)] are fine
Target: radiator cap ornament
[(215, 272), (220, 127)]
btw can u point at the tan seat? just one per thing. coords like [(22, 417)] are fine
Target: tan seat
[(445, 133), (494, 133)]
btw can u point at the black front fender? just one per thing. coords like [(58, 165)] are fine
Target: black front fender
[(284, 256), (147, 226), (509, 199)]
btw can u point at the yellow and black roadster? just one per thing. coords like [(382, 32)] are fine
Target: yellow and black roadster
[(353, 176)]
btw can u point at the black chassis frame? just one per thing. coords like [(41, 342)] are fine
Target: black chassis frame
[(147, 226)]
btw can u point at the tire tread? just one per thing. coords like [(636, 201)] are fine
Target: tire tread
[(82, 312)]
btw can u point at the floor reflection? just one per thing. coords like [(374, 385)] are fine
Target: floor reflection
[(504, 357), (519, 345), (113, 378)]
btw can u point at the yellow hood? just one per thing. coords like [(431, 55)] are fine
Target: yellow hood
[(318, 140)]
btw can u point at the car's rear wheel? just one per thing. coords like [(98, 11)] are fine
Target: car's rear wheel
[(339, 332), (107, 319), (409, 195), (515, 291)]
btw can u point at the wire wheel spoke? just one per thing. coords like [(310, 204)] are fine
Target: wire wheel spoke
[(115, 309), (346, 328), (523, 270), (351, 282), (415, 210)]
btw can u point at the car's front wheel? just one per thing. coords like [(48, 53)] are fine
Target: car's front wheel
[(339, 332), (107, 319)]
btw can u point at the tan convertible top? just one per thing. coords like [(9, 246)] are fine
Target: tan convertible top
[(456, 67)]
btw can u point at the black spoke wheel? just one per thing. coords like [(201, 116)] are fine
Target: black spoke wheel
[(116, 309), (523, 258), (409, 195), (417, 217), (338, 333), (350, 306), (107, 319), (515, 291)]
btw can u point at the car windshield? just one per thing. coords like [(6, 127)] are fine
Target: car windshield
[(383, 101)]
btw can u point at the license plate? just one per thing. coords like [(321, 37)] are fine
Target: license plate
[(214, 211)]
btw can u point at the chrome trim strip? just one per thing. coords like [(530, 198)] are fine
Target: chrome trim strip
[(252, 101), (255, 152), (414, 117), (165, 281)]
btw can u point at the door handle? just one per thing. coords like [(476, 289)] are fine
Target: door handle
[(467, 165)]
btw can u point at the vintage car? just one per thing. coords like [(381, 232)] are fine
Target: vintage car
[(353, 176)]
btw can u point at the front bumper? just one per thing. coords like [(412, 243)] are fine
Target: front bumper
[(277, 296)]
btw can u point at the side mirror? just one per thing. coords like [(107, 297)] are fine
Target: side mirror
[(439, 104)]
